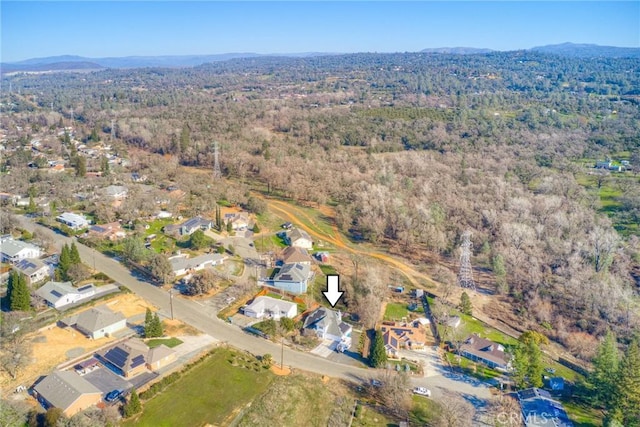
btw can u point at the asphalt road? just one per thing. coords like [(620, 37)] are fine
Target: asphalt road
[(191, 313)]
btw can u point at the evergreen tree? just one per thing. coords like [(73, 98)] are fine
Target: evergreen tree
[(256, 229), (218, 218), (18, 292), (605, 368), (519, 363), (378, 356), (81, 166), (148, 319), (625, 401), (465, 304), (64, 263), (184, 138), (158, 330), (133, 406), (535, 368), (74, 255), (229, 227), (104, 166)]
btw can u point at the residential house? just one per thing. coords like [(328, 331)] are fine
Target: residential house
[(292, 278), (62, 294), (293, 254), (111, 231), (485, 351), (67, 391), (263, 306), (539, 409), (73, 221), (33, 269), (129, 357), (182, 264), (238, 220), (133, 356), (116, 192), (299, 238), (397, 336), (189, 227), (328, 325), (13, 251), (159, 357), (98, 322)]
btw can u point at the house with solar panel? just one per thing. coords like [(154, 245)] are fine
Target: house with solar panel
[(292, 278), (397, 336), (33, 269), (62, 295), (133, 357)]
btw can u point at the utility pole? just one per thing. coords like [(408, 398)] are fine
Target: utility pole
[(171, 302), (282, 354)]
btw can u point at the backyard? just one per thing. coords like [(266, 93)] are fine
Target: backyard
[(212, 392)]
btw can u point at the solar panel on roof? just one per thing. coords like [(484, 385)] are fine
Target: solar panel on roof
[(56, 293), (84, 288), (137, 361)]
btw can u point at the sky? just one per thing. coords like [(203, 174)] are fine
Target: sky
[(95, 29)]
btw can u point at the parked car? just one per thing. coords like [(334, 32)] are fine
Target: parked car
[(113, 395), (422, 391), (287, 225)]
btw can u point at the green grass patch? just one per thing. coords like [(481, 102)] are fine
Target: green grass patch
[(396, 311), (300, 400), (369, 416), (473, 325), (582, 415), (328, 269), (169, 342), (207, 394), (423, 411), (474, 369)]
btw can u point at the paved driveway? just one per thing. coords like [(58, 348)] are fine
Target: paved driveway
[(106, 380)]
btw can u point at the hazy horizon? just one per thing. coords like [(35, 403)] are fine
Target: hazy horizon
[(121, 29)]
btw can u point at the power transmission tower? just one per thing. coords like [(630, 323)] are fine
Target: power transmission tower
[(217, 173), (113, 130), (465, 274)]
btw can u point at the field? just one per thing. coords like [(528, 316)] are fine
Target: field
[(213, 392), (396, 311)]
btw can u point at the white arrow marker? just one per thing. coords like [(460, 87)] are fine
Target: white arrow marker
[(333, 294)]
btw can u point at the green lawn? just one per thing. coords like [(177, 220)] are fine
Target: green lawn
[(424, 411), (369, 417), (169, 342), (396, 311), (583, 416), (327, 269), (473, 325), (208, 393), (269, 243)]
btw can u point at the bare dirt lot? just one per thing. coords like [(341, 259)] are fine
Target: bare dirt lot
[(53, 345)]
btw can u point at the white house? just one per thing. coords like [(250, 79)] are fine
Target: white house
[(61, 294), (15, 250), (270, 307), (181, 264), (73, 221), (117, 192), (98, 322), (239, 220), (328, 325), (300, 239), (34, 269)]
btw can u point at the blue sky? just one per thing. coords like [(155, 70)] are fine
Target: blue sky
[(124, 28)]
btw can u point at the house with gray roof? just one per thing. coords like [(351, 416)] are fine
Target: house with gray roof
[(539, 409), (485, 351), (13, 251), (33, 269), (328, 325), (299, 238), (62, 295), (292, 254), (73, 221), (292, 278), (68, 391), (272, 308), (100, 321), (182, 264), (192, 225)]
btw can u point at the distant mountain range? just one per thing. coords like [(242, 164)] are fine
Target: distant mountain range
[(78, 63), (589, 50)]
